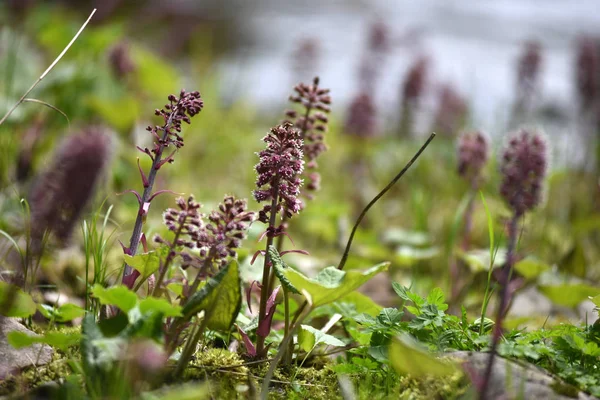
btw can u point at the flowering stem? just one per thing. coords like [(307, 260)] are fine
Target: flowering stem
[(168, 260), (266, 288), (137, 229), (505, 280)]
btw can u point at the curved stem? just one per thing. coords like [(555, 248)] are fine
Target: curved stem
[(376, 198)]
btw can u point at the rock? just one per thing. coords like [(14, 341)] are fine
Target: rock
[(519, 380), (12, 359)]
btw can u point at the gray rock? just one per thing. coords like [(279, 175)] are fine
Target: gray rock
[(519, 380), (13, 360)]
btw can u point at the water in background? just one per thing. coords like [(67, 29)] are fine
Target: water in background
[(472, 44)]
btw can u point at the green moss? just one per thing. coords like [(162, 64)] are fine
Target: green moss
[(229, 380), (33, 377)]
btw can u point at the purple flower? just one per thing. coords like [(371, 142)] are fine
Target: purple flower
[(414, 83), (120, 61), (452, 111), (588, 66), (523, 167), (178, 110), (279, 168), (361, 119), (225, 231), (473, 153), (60, 194), (312, 124), (214, 241), (528, 68)]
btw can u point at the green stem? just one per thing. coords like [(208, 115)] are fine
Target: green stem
[(284, 344), (190, 346), (169, 259)]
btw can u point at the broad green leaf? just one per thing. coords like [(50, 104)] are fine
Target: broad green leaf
[(530, 268), (361, 303), (60, 340), (220, 299), (437, 298), (331, 284), (310, 337), (14, 302), (280, 265), (176, 288), (146, 263), (407, 358), (161, 306), (119, 296), (569, 294), (68, 312)]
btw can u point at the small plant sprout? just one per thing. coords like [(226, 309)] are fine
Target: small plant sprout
[(523, 167), (165, 137)]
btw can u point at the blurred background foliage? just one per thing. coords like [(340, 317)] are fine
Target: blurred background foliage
[(136, 53)]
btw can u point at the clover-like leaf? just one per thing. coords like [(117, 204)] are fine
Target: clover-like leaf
[(310, 337)]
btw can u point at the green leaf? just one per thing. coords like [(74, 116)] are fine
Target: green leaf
[(68, 312), (389, 316), (437, 298), (406, 295), (330, 284), (60, 340), (407, 358), (310, 337), (531, 268), (119, 296), (569, 294), (361, 303), (14, 302), (280, 265), (220, 299), (146, 263), (176, 288), (153, 304)]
